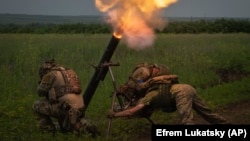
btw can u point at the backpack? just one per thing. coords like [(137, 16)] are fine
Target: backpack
[(72, 82), (143, 72)]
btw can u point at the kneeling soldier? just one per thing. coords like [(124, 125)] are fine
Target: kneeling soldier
[(61, 89)]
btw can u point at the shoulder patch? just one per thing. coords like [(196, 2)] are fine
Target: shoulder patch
[(48, 78)]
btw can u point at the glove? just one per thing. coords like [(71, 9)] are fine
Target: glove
[(143, 85), (111, 114)]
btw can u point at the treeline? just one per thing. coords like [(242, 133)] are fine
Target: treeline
[(197, 26)]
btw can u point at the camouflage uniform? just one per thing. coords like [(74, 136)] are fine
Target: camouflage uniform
[(184, 99), (60, 103), (163, 91)]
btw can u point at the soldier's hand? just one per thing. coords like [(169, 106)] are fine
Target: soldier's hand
[(111, 114), (52, 96), (143, 85)]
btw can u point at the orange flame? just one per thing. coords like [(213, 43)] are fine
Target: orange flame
[(135, 20)]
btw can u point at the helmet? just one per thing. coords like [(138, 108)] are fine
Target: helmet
[(158, 70), (45, 67), (141, 74)]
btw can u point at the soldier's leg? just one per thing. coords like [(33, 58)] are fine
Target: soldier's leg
[(184, 106), (204, 110), (43, 111), (84, 126)]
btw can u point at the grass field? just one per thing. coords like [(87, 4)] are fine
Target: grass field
[(195, 58)]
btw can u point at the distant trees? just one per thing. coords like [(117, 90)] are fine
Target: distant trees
[(37, 28), (203, 26), (194, 27)]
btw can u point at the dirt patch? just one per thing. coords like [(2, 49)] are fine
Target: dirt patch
[(236, 113), (226, 76), (230, 75)]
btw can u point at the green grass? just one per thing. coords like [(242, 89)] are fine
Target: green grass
[(193, 58)]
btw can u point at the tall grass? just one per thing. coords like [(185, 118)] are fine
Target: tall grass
[(193, 58)]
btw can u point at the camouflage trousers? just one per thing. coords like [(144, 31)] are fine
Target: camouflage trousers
[(187, 100), (68, 119)]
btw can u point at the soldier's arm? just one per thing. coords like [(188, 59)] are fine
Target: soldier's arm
[(45, 85), (128, 112)]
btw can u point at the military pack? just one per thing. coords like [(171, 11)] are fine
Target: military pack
[(72, 83)]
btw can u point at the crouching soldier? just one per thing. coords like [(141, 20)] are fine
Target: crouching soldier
[(152, 86), (62, 102)]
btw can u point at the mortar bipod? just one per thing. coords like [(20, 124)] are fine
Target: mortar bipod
[(114, 95)]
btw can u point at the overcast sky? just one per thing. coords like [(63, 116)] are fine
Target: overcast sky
[(183, 8)]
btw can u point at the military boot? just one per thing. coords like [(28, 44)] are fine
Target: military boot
[(86, 127), (45, 123)]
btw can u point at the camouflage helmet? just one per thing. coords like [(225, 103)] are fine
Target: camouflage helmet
[(45, 67), (141, 74), (157, 70)]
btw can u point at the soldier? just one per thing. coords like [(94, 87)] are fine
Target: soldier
[(61, 89), (152, 86)]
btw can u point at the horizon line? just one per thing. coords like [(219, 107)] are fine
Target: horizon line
[(103, 15)]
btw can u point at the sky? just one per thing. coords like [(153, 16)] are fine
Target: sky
[(183, 8)]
